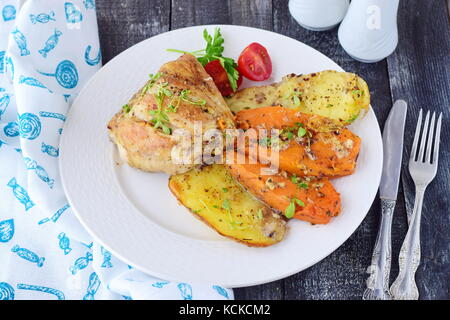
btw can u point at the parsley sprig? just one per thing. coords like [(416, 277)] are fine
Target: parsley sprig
[(213, 51)]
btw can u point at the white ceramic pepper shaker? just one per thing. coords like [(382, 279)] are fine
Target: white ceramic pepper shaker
[(318, 15), (369, 31)]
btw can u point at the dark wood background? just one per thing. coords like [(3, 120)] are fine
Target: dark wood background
[(418, 71)]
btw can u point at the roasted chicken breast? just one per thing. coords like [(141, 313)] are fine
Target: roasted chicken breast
[(162, 115)]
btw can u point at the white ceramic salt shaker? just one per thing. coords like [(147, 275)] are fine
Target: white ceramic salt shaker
[(318, 15), (369, 32)]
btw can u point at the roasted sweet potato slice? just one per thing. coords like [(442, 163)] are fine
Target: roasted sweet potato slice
[(315, 201), (319, 149)]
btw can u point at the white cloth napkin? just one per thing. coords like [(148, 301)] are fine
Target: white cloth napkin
[(48, 50)]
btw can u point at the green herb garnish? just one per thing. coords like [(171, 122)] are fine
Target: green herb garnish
[(213, 51), (126, 108), (300, 183), (290, 210), (184, 95)]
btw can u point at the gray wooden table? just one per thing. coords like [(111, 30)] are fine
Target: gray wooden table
[(418, 71)]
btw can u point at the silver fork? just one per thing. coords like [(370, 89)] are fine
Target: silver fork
[(423, 168)]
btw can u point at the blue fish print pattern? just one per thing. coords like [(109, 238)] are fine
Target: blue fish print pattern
[(185, 290), (6, 291), (96, 60), (9, 13), (56, 216), (20, 194), (6, 230), (221, 291), (73, 15), (64, 243), (81, 263), (106, 258), (50, 150), (89, 4), (127, 298), (42, 17), (32, 82), (66, 74), (29, 126), (94, 284), (159, 284), (21, 42), (51, 43), (40, 171), (4, 102), (2, 62), (28, 255), (55, 115), (59, 294), (11, 129)]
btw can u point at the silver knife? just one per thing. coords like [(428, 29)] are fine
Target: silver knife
[(378, 281)]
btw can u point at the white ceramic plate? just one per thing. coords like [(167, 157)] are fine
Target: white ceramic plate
[(133, 213)]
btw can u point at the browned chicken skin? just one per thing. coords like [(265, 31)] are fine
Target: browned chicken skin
[(181, 95)]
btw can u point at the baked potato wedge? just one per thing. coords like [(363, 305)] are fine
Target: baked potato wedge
[(212, 195), (340, 96)]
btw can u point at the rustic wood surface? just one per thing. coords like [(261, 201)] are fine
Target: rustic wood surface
[(418, 71)]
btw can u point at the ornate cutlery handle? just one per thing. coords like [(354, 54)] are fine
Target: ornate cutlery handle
[(378, 281), (404, 287)]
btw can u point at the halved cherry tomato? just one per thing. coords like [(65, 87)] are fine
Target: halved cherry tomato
[(254, 62), (220, 77)]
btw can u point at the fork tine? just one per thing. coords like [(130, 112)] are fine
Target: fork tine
[(430, 139), (424, 137), (416, 137), (437, 139)]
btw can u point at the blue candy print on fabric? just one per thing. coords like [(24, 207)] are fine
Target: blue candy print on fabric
[(21, 42), (159, 284), (4, 102), (20, 194), (89, 246), (42, 17), (6, 230), (2, 62), (66, 74), (96, 60), (73, 15), (29, 126), (55, 115), (51, 43), (32, 82), (64, 243), (6, 291), (9, 13), (106, 258), (11, 129), (221, 291), (28, 255), (50, 150), (89, 4), (81, 263), (94, 284), (56, 216), (40, 171), (185, 290), (59, 294)]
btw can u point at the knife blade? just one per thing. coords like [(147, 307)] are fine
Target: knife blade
[(379, 270), (393, 132)]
